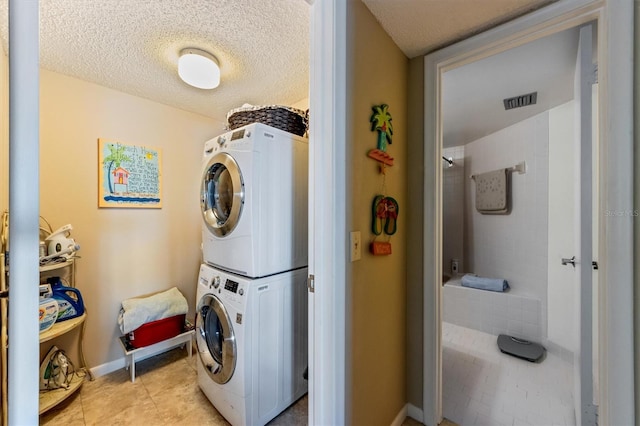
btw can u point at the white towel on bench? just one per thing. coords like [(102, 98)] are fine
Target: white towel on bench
[(141, 310)]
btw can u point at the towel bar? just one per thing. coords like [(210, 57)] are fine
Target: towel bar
[(521, 168)]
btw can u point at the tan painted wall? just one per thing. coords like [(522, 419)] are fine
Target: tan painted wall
[(377, 74), (124, 252)]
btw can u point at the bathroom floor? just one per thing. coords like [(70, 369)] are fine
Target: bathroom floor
[(482, 386), (165, 392)]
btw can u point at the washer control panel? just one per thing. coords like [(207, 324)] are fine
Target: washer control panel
[(231, 286), (215, 282), (234, 291)]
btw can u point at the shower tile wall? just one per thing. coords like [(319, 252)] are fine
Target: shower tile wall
[(492, 312), (513, 246), (453, 209)]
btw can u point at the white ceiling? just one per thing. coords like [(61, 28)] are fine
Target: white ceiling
[(472, 105), (262, 45)]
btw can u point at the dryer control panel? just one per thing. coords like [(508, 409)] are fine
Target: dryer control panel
[(237, 140), (240, 134)]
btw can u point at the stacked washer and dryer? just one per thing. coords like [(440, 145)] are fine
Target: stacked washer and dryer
[(251, 319)]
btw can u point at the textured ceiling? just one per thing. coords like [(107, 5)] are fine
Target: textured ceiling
[(262, 45), (133, 45), (422, 26)]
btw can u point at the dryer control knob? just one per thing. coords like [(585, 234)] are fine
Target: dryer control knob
[(216, 282), (241, 291), (221, 140)]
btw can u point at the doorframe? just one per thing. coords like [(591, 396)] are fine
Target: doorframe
[(24, 137), (328, 394), (615, 93)]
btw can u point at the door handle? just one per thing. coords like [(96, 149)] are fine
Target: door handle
[(571, 261)]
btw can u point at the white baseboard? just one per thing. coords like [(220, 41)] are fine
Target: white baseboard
[(109, 367), (415, 413), (408, 410), (400, 417)]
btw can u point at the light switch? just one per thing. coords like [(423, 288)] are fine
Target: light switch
[(356, 244)]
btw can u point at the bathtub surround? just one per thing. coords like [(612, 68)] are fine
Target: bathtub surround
[(513, 246), (453, 210), (521, 246), (492, 312)]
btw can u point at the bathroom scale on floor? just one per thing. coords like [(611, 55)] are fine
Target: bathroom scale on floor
[(520, 348)]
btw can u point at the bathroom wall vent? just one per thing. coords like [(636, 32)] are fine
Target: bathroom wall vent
[(520, 101)]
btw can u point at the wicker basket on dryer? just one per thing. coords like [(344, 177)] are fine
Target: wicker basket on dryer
[(281, 117)]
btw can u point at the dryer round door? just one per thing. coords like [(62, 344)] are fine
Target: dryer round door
[(222, 194), (215, 339)]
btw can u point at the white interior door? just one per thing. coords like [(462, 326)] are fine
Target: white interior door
[(561, 280), (571, 301), (583, 231)]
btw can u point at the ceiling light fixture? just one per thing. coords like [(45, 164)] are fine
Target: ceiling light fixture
[(198, 68)]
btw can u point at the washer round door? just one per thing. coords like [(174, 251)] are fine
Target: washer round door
[(222, 194), (215, 339)]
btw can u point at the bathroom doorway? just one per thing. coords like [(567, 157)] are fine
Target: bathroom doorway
[(615, 202), (521, 113)]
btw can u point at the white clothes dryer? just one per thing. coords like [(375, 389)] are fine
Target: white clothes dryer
[(254, 201), (251, 337)]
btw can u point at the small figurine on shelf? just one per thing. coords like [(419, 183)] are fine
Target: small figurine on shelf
[(381, 121)]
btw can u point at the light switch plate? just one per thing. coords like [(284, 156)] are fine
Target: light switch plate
[(356, 243)]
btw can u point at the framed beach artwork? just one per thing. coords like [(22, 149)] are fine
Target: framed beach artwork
[(130, 176)]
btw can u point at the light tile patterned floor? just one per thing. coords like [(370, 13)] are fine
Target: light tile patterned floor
[(165, 393), (482, 386)]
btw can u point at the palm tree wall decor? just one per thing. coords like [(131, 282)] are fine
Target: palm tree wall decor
[(381, 122)]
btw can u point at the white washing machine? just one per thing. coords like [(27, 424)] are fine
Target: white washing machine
[(251, 337), (254, 201)]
